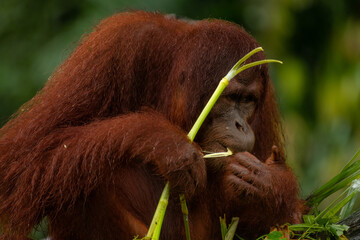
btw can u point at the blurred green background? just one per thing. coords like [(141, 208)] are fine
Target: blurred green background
[(318, 87)]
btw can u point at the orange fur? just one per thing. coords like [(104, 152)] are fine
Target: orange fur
[(93, 149)]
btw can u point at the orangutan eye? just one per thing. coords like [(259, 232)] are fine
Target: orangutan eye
[(249, 99), (235, 97), (242, 98)]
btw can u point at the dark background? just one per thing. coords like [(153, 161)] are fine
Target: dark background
[(318, 85)]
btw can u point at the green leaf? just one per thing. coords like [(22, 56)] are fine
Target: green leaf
[(223, 227), (338, 230), (309, 219), (275, 235), (232, 228), (305, 227)]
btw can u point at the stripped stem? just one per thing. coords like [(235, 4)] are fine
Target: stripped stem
[(185, 212), (158, 218)]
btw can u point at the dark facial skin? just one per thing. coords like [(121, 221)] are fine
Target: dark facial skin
[(228, 124)]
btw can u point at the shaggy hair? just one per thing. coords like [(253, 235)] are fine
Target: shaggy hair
[(86, 150)]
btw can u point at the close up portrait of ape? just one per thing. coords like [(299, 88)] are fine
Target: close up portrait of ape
[(92, 151)]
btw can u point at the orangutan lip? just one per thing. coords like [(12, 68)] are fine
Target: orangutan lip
[(216, 147), (224, 146)]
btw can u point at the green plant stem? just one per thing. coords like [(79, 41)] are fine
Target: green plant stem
[(191, 135), (223, 227), (159, 213), (185, 212), (232, 228), (305, 227), (220, 88)]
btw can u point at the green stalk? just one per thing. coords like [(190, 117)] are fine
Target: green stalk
[(185, 212), (236, 69), (223, 227), (232, 228), (228, 232), (220, 88), (159, 214), (219, 154), (305, 227)]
